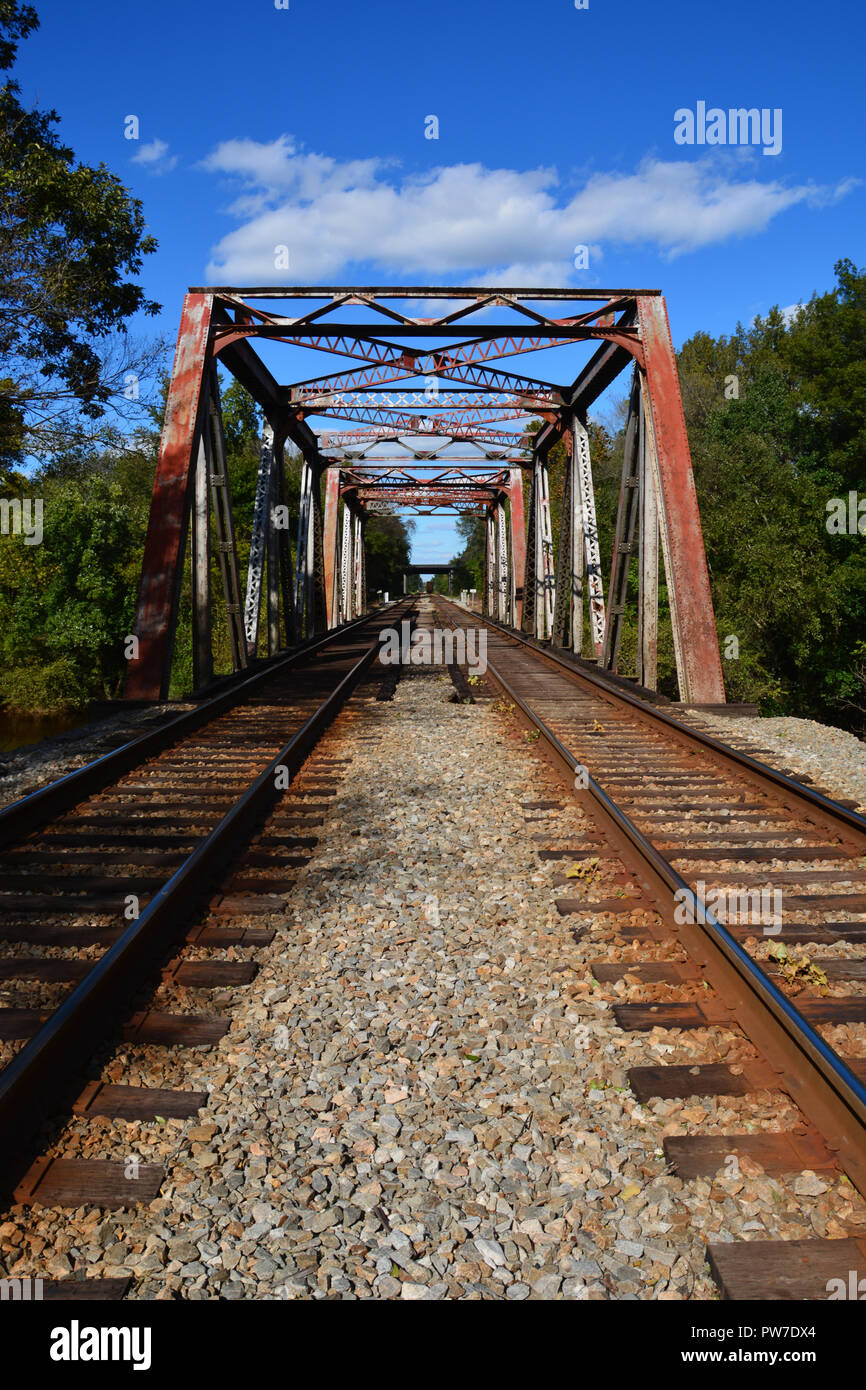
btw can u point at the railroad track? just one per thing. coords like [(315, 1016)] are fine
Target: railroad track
[(109, 876), (704, 829)]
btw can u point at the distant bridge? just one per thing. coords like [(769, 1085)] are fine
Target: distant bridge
[(427, 569)]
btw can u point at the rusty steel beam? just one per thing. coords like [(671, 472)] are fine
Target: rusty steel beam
[(426, 364), (380, 398), (517, 529), (688, 580), (386, 435), (415, 292), (162, 565), (431, 425), (329, 542), (629, 327)]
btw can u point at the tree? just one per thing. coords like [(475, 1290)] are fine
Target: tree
[(469, 564), (387, 548), (70, 236), (768, 459), (67, 603)]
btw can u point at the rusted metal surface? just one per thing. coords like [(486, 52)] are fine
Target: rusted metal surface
[(211, 778), (149, 672), (688, 579), (329, 541), (830, 1089), (517, 528), (429, 430)]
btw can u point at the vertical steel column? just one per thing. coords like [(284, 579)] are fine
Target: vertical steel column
[(578, 554), (530, 580), (259, 539), (696, 643), (273, 557), (490, 564), (310, 556), (626, 519), (359, 596), (648, 561), (284, 549), (502, 586), (223, 524), (540, 582), (310, 578), (301, 552), (162, 565), (518, 544), (318, 613), (590, 535), (332, 508), (202, 633), (568, 610), (346, 613)]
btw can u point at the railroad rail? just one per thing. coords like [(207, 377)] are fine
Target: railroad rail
[(697, 821), (103, 872)]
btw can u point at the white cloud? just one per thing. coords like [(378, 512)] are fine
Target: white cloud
[(155, 157), (465, 221)]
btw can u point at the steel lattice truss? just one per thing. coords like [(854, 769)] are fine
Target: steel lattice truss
[(422, 412), (431, 409)]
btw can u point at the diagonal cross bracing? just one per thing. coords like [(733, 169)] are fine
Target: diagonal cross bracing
[(422, 395)]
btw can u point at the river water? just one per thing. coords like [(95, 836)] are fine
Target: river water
[(19, 730)]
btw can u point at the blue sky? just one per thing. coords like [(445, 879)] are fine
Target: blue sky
[(306, 126)]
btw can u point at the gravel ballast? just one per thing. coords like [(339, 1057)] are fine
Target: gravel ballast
[(833, 758), (423, 1094)]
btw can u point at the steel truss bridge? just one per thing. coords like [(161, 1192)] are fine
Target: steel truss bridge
[(421, 412)]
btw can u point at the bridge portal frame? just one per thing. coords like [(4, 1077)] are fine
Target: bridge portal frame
[(532, 589)]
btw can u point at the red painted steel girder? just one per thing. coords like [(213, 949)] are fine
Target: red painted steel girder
[(386, 434), (433, 425), (424, 497), (689, 583), (517, 527), (607, 302), (242, 293), (329, 541), (457, 485), (330, 403), (148, 674), (498, 342), (396, 477), (460, 418), (427, 364)]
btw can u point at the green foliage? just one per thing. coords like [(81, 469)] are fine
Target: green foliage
[(67, 604), (70, 236), (767, 461), (387, 547)]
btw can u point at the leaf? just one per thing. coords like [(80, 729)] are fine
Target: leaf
[(585, 870)]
